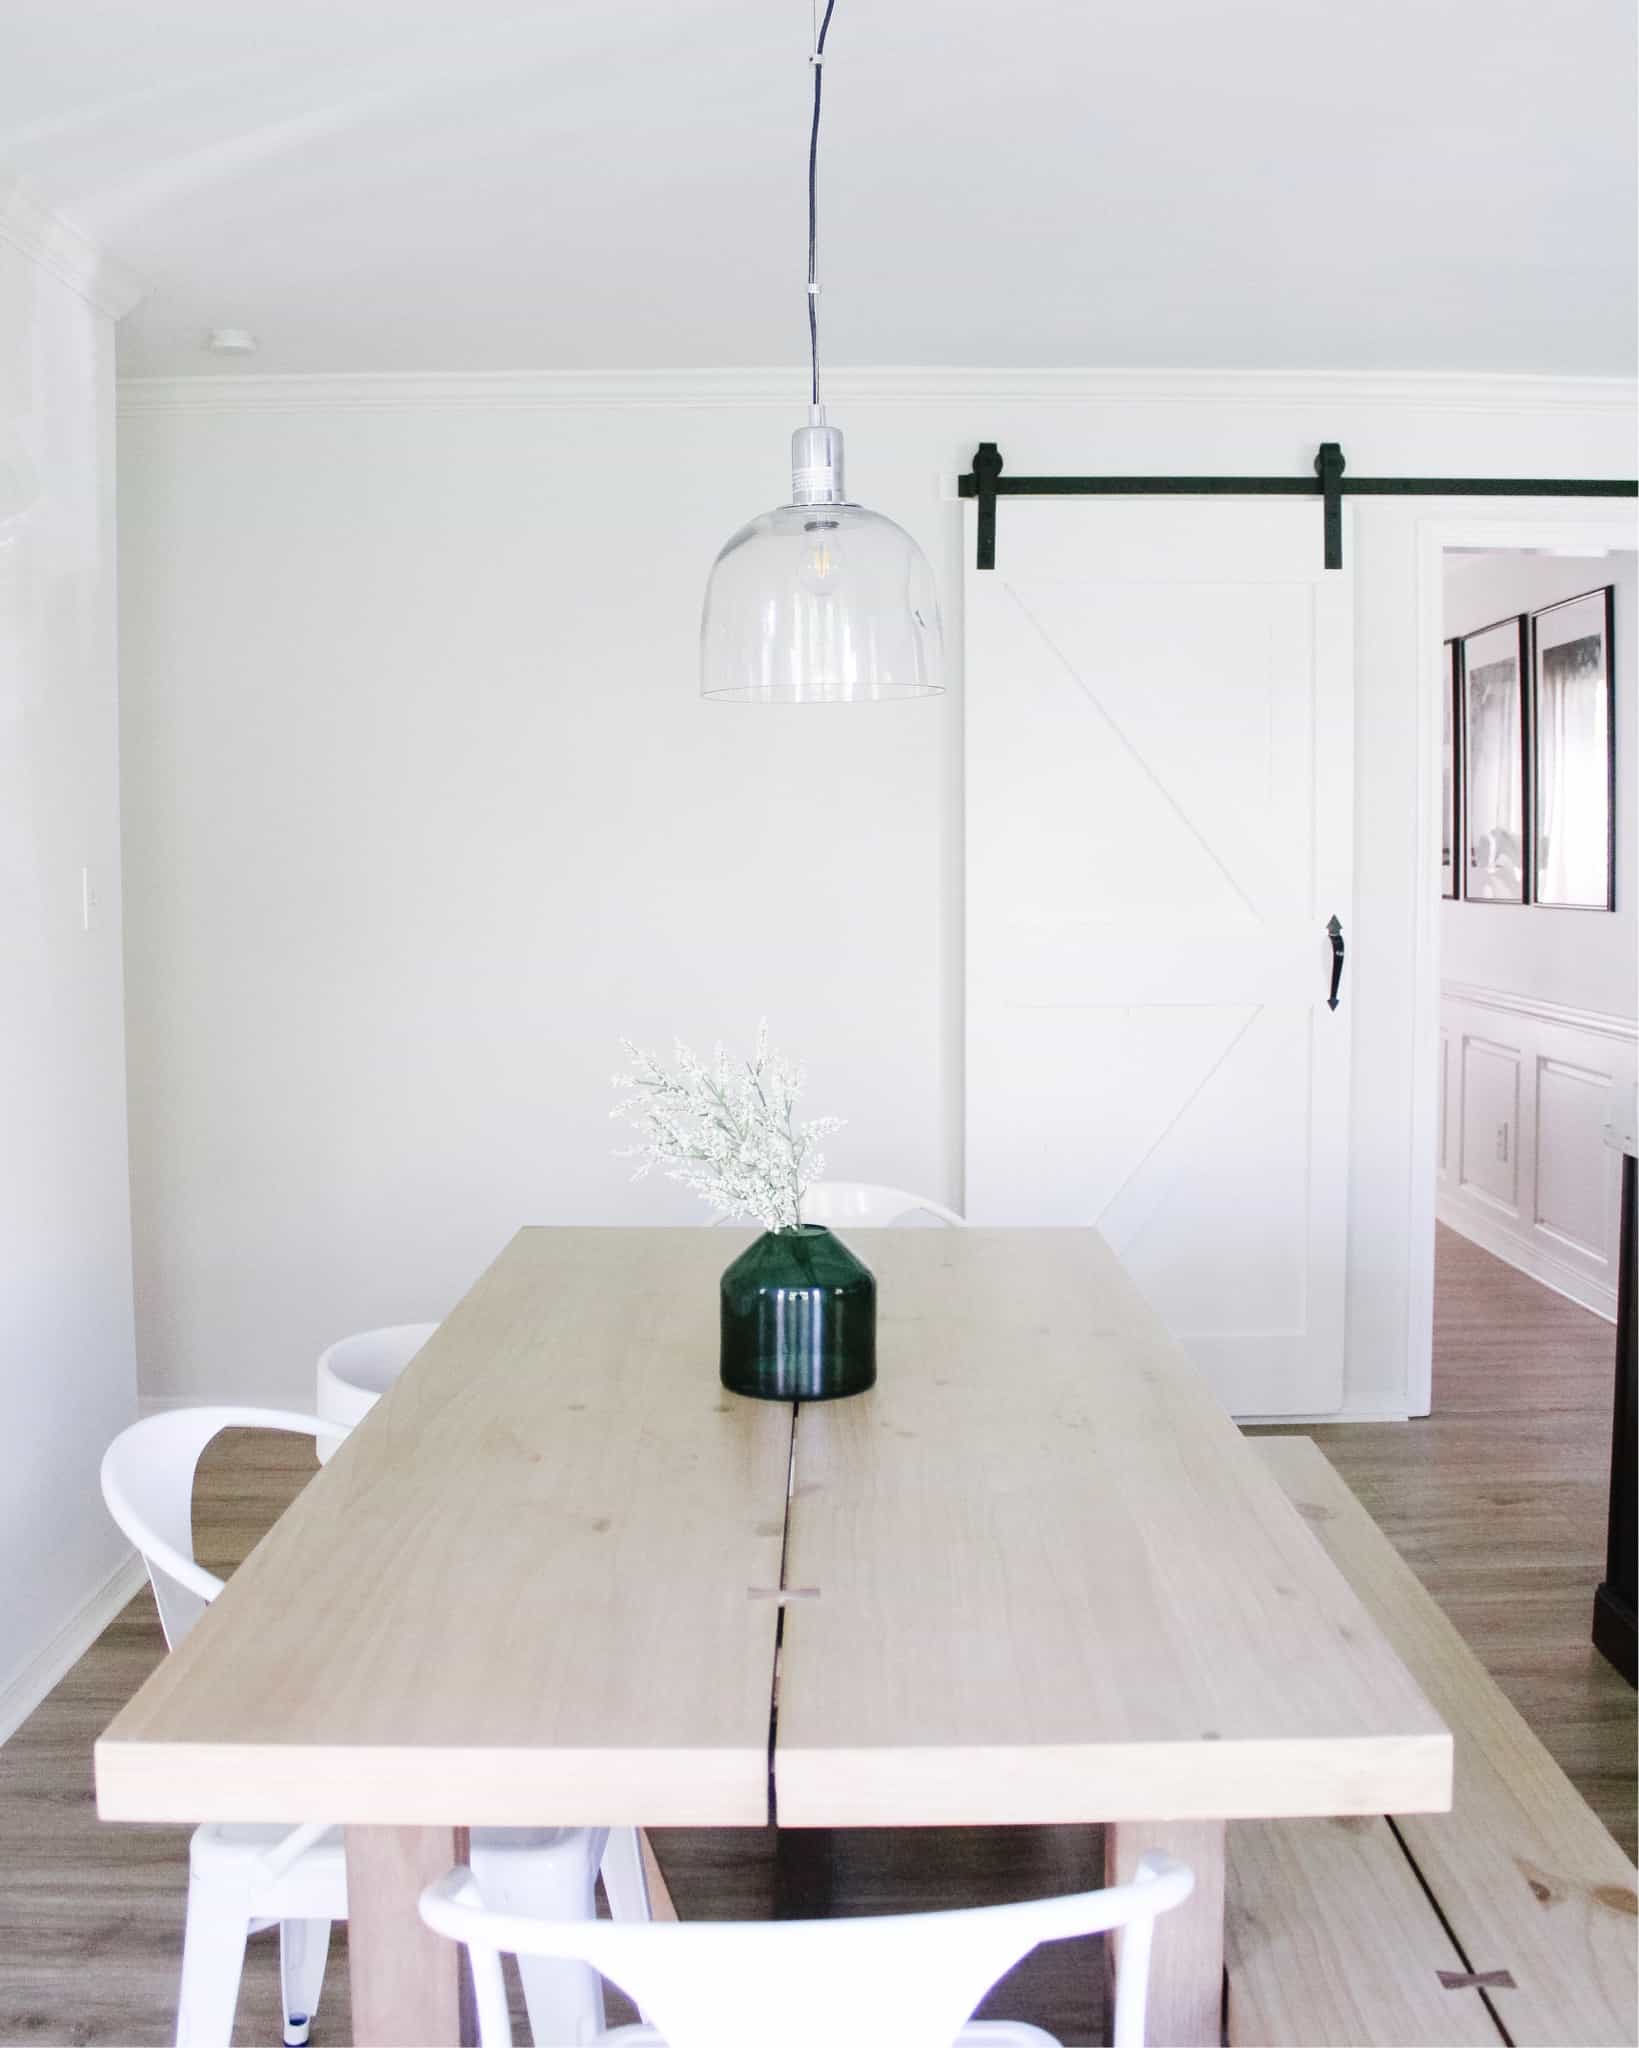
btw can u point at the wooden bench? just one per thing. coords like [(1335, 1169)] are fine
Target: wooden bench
[(1370, 1933)]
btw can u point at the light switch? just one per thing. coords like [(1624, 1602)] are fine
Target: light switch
[(89, 906)]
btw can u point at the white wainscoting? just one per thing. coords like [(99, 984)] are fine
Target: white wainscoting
[(1525, 1089)]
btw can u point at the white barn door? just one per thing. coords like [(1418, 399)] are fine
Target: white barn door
[(1160, 738)]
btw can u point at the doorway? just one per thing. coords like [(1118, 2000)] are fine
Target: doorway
[(1534, 686)]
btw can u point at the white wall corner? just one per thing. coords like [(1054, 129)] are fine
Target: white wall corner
[(72, 257), (27, 1687)]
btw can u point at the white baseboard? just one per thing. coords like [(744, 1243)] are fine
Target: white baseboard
[(167, 1404), (22, 1693), (1527, 1257), (1363, 1408), (162, 1404)]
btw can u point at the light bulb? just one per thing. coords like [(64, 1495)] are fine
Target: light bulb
[(821, 565), (819, 601)]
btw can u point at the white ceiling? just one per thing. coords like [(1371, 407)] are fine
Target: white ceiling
[(609, 184)]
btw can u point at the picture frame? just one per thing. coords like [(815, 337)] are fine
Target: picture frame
[(1573, 754), (1494, 748), (1451, 867)]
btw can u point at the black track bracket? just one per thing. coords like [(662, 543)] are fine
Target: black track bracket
[(986, 483)]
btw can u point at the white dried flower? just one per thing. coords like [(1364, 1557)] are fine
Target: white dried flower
[(726, 1130)]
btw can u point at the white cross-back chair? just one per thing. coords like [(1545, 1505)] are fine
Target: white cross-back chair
[(354, 1373), (243, 1877), (907, 1980), (837, 1203)]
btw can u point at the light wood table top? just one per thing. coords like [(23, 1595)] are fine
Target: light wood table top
[(559, 1576), (1051, 1581), (1034, 1575), (522, 1590)]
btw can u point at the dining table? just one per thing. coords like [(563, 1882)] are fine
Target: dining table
[(559, 1575)]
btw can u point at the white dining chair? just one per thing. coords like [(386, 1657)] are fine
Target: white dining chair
[(907, 1980), (841, 1202), (354, 1373), (243, 1877)]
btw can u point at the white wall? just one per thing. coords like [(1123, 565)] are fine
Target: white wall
[(66, 1339), (1587, 960), (422, 811)]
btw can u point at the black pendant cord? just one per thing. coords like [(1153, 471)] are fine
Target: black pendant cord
[(818, 62)]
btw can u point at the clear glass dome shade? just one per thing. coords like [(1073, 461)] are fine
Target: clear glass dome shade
[(820, 604)]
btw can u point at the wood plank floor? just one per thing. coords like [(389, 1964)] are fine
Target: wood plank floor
[(1498, 1502)]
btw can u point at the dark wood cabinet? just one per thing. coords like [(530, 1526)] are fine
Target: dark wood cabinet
[(1613, 1605)]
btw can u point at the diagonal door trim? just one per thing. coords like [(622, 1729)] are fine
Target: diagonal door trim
[(1137, 758), (1255, 1011)]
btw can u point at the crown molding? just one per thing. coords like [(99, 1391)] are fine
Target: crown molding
[(29, 226), (675, 390)]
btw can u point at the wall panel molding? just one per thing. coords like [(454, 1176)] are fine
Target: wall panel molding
[(1489, 1074), (1599, 1022), (1524, 1169)]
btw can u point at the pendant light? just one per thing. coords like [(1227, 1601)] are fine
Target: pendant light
[(819, 601)]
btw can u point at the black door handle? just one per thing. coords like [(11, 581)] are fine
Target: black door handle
[(1334, 931)]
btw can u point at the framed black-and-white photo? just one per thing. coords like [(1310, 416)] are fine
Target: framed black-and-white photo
[(1450, 867), (1574, 787), (1492, 744)]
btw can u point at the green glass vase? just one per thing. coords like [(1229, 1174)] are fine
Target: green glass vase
[(799, 1318)]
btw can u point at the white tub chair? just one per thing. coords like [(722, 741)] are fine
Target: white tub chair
[(244, 1877), (908, 1980), (354, 1373), (837, 1203)]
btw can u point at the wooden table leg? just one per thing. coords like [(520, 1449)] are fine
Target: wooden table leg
[(407, 1981), (1187, 1967), (804, 1873)]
